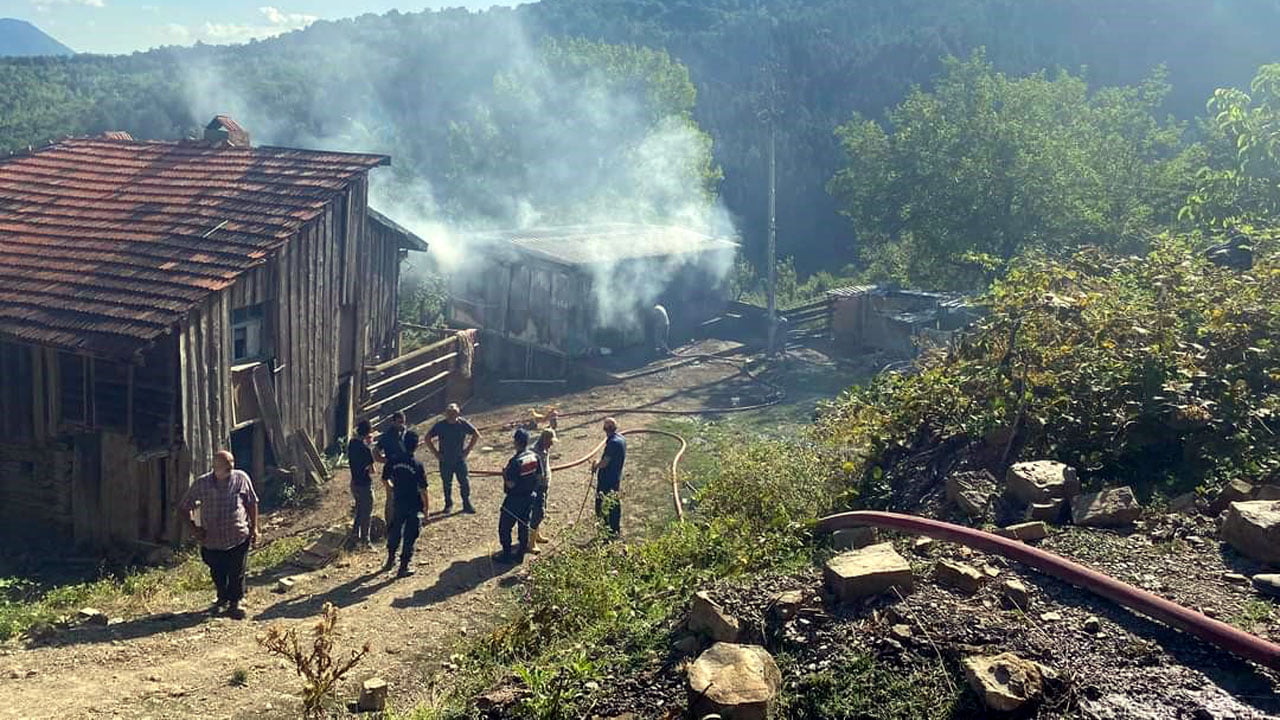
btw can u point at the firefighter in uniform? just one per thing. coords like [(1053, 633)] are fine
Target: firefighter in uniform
[(520, 483)]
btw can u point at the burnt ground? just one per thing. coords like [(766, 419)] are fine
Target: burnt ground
[(1129, 667), (171, 661)]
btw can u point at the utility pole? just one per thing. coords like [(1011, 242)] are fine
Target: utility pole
[(772, 250)]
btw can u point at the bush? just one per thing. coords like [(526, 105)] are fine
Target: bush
[(1158, 369)]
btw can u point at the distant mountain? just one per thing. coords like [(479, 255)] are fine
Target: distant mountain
[(19, 37)]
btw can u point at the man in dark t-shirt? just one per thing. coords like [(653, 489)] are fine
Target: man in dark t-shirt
[(391, 440), (519, 485), (408, 481), (360, 459), (451, 441), (608, 471)]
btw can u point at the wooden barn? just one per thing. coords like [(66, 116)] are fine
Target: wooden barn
[(545, 296), (162, 300)]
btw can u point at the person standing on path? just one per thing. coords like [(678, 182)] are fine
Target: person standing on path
[(408, 480), (451, 441), (228, 527), (608, 469), (520, 483), (360, 459), (542, 449), (390, 445)]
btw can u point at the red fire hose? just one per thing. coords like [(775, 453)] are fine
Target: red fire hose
[(1218, 633)]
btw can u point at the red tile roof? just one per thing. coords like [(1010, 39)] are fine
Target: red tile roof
[(106, 243)]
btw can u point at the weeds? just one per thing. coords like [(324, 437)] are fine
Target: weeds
[(1254, 613), (239, 678), (320, 665), (859, 687)]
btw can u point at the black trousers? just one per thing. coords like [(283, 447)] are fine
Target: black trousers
[(404, 527), (227, 568), (363, 495), (611, 515), (515, 514)]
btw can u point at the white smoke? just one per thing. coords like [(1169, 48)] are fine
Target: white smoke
[(527, 145)]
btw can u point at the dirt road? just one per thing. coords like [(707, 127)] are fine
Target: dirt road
[(178, 662)]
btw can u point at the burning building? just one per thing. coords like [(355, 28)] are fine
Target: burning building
[(161, 300), (548, 295)]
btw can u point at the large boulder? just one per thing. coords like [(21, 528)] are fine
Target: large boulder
[(971, 492), (1234, 491), (869, 571), (1050, 511), (736, 682), (707, 618), (1041, 481), (1253, 529), (1267, 584), (1005, 682), (1114, 507)]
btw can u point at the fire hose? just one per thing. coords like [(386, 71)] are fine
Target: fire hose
[(1218, 633)]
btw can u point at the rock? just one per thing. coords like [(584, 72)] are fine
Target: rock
[(1268, 584), (1015, 592), (284, 585), (709, 619), (1051, 617), (1236, 578), (971, 492), (1253, 529), (737, 682), (1115, 507), (1005, 682), (373, 695), (1267, 492), (901, 632), (960, 576), (869, 571), (853, 538), (991, 571), (1026, 531), (923, 545), (92, 616), (1234, 491), (1092, 624), (1042, 481), (1184, 503), (785, 605), (1050, 511)]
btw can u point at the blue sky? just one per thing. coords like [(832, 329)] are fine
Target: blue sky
[(121, 26)]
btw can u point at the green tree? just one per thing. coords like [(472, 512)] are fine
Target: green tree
[(1241, 179), (962, 178)]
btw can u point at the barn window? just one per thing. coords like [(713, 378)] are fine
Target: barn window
[(246, 333)]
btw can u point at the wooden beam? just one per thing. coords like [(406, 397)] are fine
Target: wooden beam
[(128, 403), (402, 393), (262, 387), (420, 352), (415, 369)]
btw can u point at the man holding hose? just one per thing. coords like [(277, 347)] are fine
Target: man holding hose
[(608, 470)]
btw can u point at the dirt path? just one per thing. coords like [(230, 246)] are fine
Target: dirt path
[(179, 663)]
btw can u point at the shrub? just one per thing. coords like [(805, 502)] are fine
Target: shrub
[(320, 665)]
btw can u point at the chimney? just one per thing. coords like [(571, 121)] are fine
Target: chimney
[(223, 130)]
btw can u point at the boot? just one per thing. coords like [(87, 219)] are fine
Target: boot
[(405, 571), (538, 537), (391, 561), (533, 545)]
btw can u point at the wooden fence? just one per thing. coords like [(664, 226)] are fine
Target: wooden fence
[(810, 319), (418, 383)]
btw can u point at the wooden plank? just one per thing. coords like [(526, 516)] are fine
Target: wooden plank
[(271, 415), (128, 402), (39, 423), (436, 378), (416, 369), (312, 454), (420, 352)]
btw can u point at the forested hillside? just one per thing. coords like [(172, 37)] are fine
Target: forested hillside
[(475, 111)]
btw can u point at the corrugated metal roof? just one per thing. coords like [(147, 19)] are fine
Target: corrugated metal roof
[(106, 243), (604, 243)]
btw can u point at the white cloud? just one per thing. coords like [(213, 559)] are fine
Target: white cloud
[(277, 22)]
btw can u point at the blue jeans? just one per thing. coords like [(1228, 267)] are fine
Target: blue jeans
[(448, 470)]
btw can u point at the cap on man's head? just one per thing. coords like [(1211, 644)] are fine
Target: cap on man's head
[(548, 436), (410, 441), (521, 436)]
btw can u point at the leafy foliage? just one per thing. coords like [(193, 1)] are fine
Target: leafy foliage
[(1241, 180), (985, 166), (1160, 368)]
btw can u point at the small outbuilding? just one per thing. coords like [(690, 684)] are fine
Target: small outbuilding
[(545, 296)]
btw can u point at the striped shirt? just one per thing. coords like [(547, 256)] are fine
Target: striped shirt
[(224, 508)]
